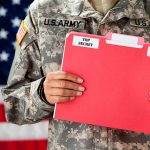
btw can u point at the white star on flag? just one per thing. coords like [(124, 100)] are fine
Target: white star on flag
[(26, 10), (16, 2), (4, 56), (14, 44), (16, 22), (3, 12), (3, 34)]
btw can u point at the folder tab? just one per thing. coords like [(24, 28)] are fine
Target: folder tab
[(148, 52), (124, 40)]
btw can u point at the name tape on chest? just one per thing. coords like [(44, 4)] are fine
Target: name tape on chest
[(63, 23), (21, 33), (86, 42), (143, 23)]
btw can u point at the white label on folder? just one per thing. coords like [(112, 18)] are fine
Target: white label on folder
[(124, 40), (148, 52), (85, 42)]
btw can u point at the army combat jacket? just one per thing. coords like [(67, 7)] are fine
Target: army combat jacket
[(41, 51)]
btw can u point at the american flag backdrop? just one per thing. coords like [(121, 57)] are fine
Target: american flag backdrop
[(26, 137)]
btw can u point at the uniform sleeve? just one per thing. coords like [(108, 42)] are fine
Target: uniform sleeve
[(23, 97)]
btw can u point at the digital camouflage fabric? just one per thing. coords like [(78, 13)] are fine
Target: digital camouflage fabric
[(41, 51)]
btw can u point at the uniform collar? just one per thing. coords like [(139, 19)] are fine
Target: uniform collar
[(124, 8)]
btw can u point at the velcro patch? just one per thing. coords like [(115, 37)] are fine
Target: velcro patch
[(143, 23), (21, 33)]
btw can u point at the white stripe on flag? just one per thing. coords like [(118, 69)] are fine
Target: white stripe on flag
[(11, 132), (1, 99)]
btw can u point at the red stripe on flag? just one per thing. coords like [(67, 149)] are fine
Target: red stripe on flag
[(2, 113), (24, 145)]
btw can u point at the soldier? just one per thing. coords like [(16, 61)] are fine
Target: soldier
[(36, 82)]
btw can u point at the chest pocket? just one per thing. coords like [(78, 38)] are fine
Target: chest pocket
[(52, 34), (138, 27)]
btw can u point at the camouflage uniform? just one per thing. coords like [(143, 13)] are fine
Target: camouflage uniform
[(41, 51)]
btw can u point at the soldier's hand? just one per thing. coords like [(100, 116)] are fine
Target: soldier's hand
[(62, 86)]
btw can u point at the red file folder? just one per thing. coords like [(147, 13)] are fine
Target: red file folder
[(116, 73)]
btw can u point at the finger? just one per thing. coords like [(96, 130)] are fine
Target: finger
[(59, 99), (64, 84), (62, 92), (63, 75)]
